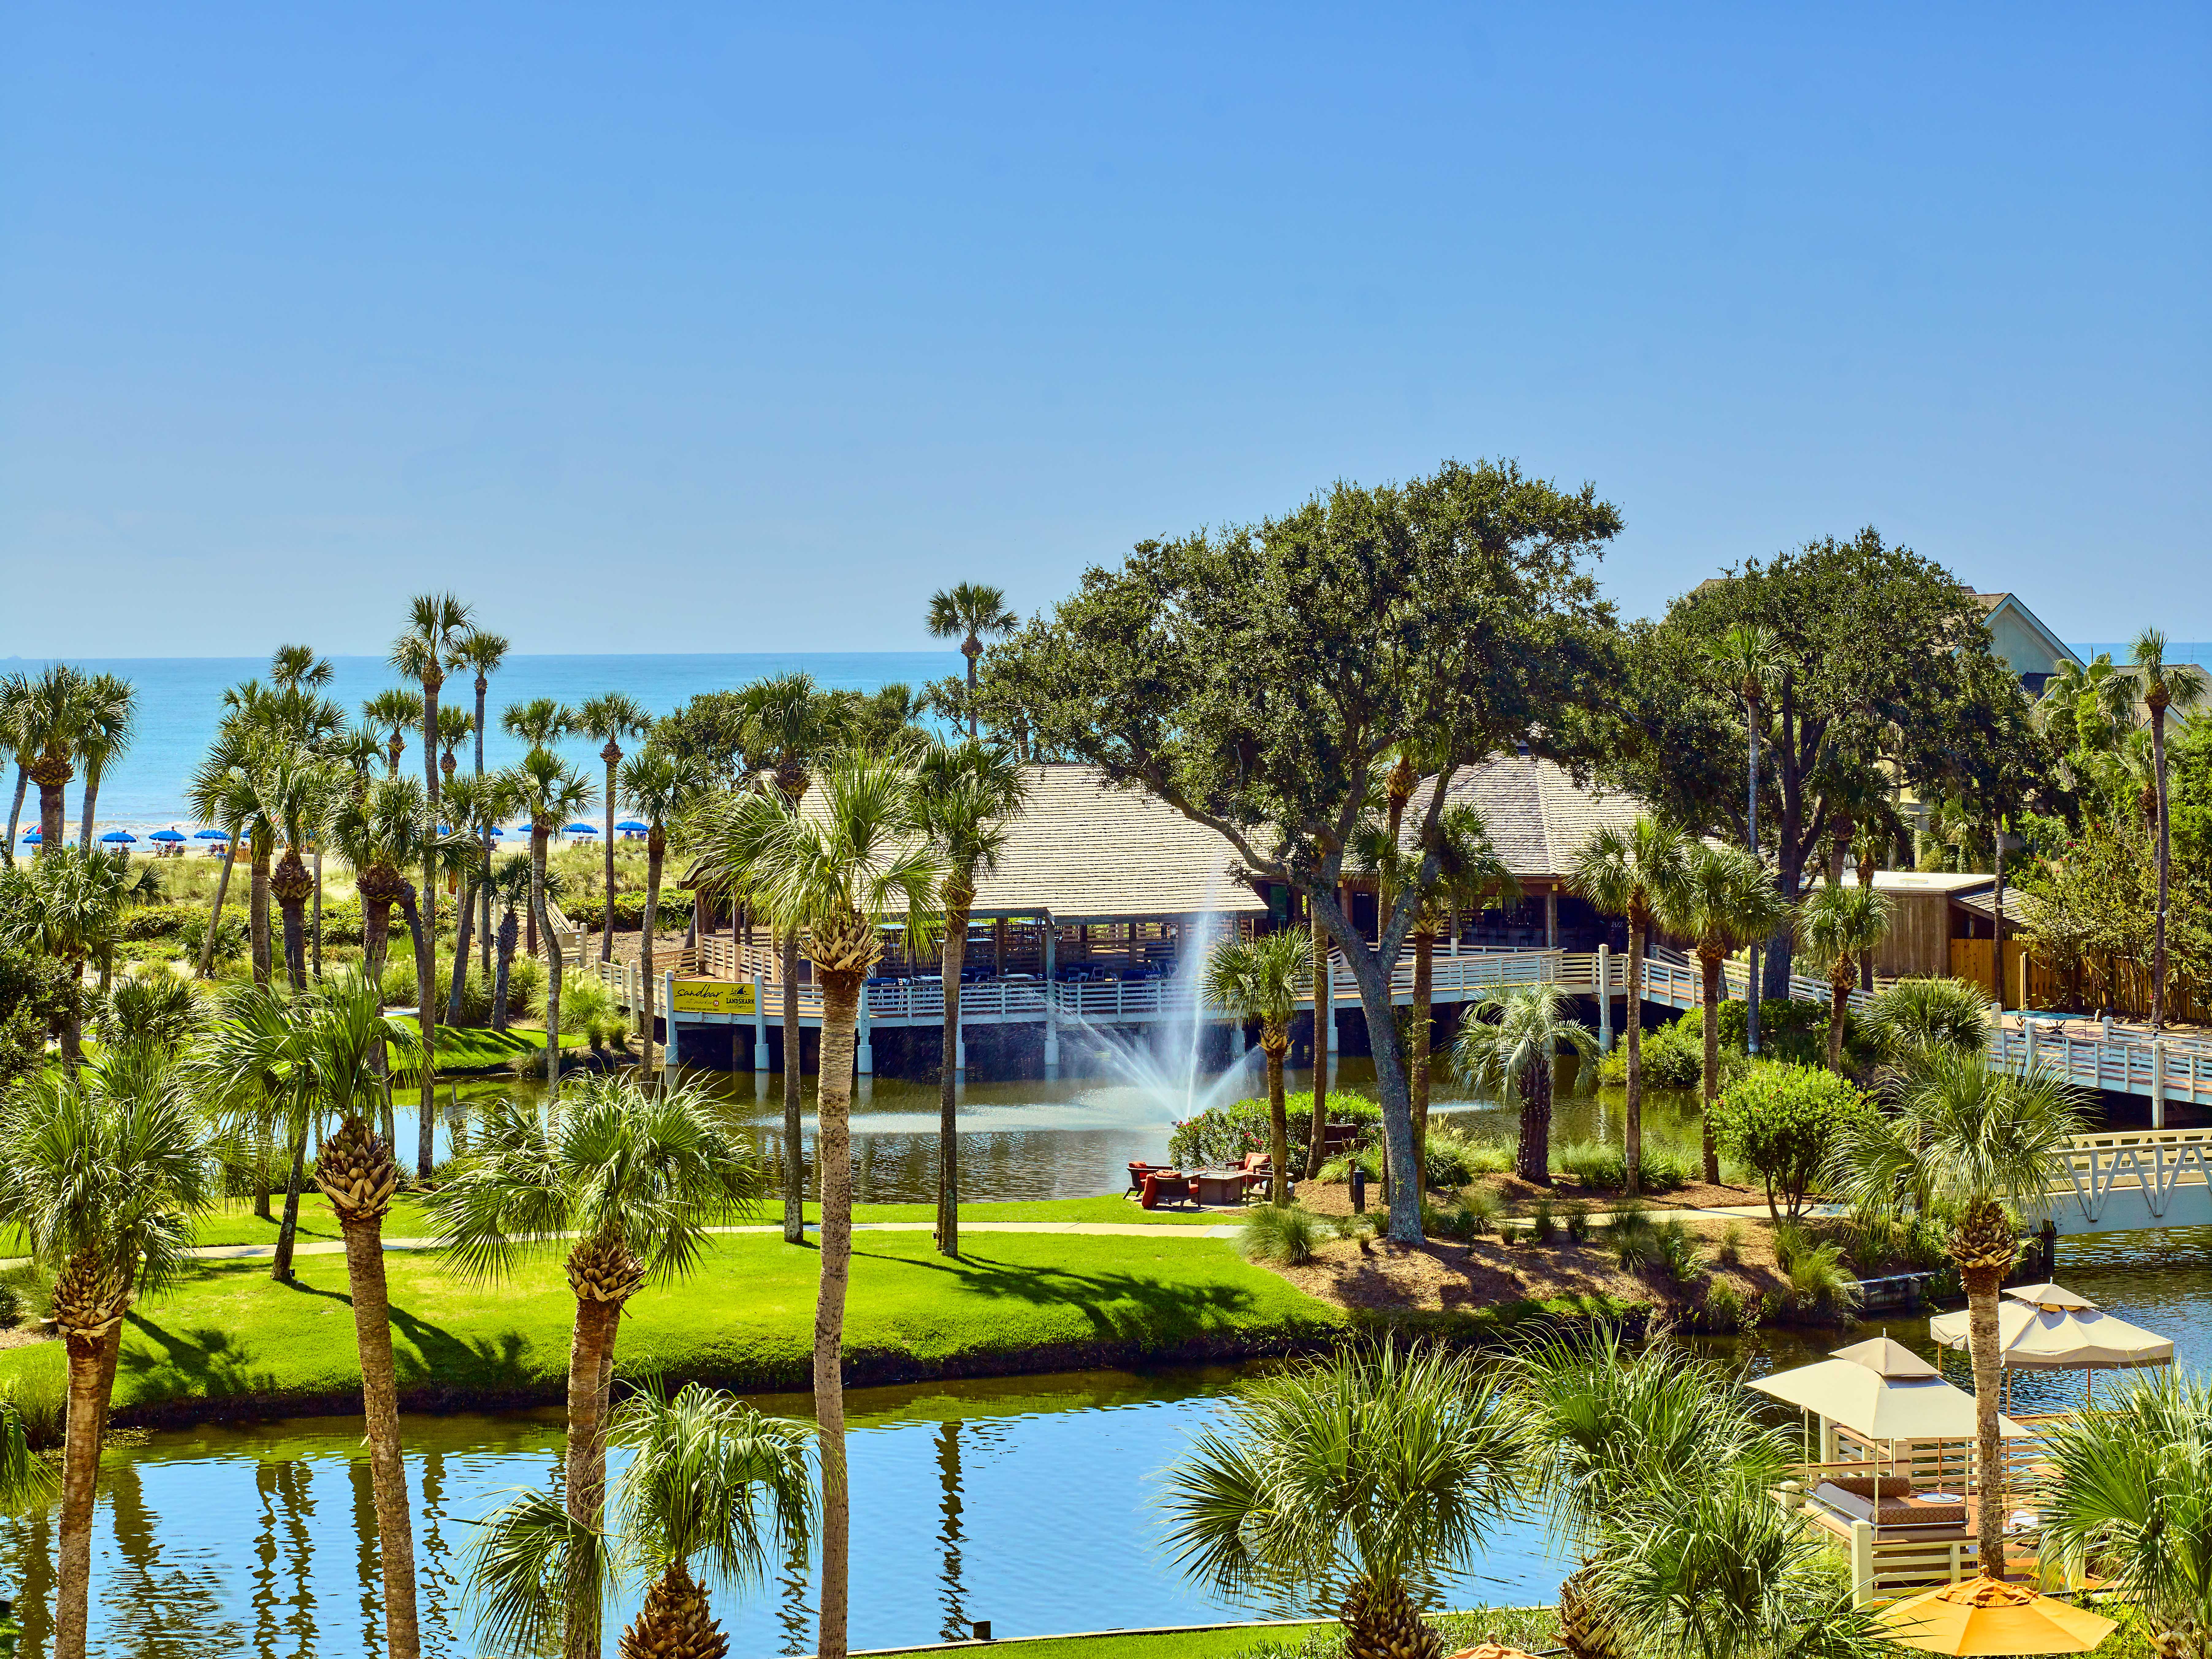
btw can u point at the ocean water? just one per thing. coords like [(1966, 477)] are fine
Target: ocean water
[(180, 704)]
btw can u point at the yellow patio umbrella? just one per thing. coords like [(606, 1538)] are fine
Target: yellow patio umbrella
[(1493, 1651), (1986, 1617)]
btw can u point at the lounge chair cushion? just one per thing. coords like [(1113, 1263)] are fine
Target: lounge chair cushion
[(1888, 1512), (1863, 1485)]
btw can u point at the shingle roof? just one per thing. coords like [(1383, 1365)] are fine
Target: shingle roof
[(1538, 818)]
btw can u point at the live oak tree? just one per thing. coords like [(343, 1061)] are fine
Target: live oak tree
[(1253, 677), (1879, 659)]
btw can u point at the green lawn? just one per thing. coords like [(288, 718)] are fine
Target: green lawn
[(744, 1320), (1537, 1628)]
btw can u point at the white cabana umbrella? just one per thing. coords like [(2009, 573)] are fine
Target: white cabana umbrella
[(1881, 1391), (2049, 1328)]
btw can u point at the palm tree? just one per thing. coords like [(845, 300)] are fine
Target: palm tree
[(540, 723), (551, 792), (67, 905), (1470, 875), (296, 669), (510, 881), (392, 713), (1724, 901), (970, 612), (1916, 1016), (111, 720), (474, 806), (216, 798), (632, 1182), (157, 1008), (1745, 661), (2179, 688), (786, 728), (1970, 1144), (712, 1481), (968, 791), (483, 654), (1839, 927), (1263, 979), (830, 877), (53, 722), (1632, 873), (2131, 1502), (436, 624), (296, 789), (377, 831), (1512, 1055), (607, 721), (104, 1169), (1602, 1426), (248, 1077), (16, 744), (1355, 1483), (661, 787)]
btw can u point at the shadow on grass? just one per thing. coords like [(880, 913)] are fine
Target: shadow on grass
[(1120, 1306), (204, 1360)]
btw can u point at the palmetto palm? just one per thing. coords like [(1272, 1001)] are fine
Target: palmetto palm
[(831, 878), (1263, 979), (541, 722), (968, 791), (607, 721), (110, 721), (2180, 688), (1353, 1484), (16, 743), (1470, 875), (1725, 901), (2130, 1500), (53, 719), (631, 1181), (713, 1482), (510, 884), (296, 790), (1507, 1045), (1839, 927), (216, 798), (661, 787), (1746, 662), (474, 806), (1917, 1017), (482, 653), (970, 612), (1602, 1429), (788, 728), (104, 1169), (391, 714), (67, 907), (1972, 1144), (1632, 873), (379, 832), (551, 792)]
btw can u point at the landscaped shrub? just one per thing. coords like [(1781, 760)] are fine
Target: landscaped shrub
[(230, 941), (1476, 1213), (1287, 1234), (1454, 1158), (1603, 1165), (1677, 1250), (1794, 1031), (1727, 1308), (1728, 1252), (1673, 1056), (1576, 1218), (1541, 1222), (1821, 1285), (1632, 1238), (1223, 1135), (159, 921), (1779, 1121)]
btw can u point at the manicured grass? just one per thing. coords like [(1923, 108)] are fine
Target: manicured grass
[(1172, 1644), (744, 1320), (1106, 1207)]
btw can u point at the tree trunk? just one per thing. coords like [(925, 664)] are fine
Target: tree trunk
[(2158, 943), (426, 997), (53, 790), (287, 1232), (1324, 1022), (971, 649), (794, 1149), (1371, 976), (499, 984), (1866, 880), (1533, 1158), (15, 813), (1996, 924), (1633, 1017), (464, 915), (538, 837), (1417, 1057), (294, 911), (256, 913), (612, 755), (1840, 1002), (1982, 1283), (958, 896), (80, 1485), (91, 799), (375, 939), (315, 922), (73, 1015), (833, 1151), (656, 850), (1274, 1038), (1708, 960), (585, 1473), (380, 1399), (214, 916), (483, 685)]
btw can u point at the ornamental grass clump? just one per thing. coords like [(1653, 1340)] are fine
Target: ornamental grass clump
[(1286, 1234)]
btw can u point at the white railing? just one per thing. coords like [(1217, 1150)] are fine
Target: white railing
[(2162, 1069), (2151, 1165)]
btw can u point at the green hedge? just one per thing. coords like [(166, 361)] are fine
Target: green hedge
[(1222, 1136)]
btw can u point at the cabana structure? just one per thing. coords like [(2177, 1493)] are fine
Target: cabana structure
[(1894, 1482), (2049, 1328)]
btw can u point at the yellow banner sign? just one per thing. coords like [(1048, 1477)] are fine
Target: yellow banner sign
[(712, 996)]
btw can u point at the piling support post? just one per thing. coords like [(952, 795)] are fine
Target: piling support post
[(2158, 1084), (1604, 1000), (668, 1013), (760, 1024)]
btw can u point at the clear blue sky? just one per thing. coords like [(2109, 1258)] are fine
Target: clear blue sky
[(775, 324)]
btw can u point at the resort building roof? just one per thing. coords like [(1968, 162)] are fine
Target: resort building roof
[(1539, 818)]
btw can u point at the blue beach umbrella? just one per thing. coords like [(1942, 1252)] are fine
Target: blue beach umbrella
[(212, 834), (632, 827), (167, 835), (496, 833), (32, 838), (124, 836), (577, 830)]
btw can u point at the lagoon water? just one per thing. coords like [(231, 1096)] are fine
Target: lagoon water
[(180, 704)]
